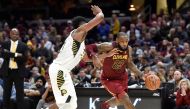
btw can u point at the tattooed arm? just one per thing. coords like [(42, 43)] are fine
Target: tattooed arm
[(97, 52), (131, 65), (94, 49), (104, 47)]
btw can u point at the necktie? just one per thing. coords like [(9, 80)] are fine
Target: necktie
[(12, 63)]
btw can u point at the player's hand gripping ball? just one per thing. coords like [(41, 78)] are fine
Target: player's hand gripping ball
[(152, 82)]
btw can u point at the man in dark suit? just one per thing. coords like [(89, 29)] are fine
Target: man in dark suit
[(14, 53)]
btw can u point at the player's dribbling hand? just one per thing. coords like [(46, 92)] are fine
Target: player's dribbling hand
[(95, 9), (147, 74)]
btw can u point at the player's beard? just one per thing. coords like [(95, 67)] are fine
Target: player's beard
[(122, 49)]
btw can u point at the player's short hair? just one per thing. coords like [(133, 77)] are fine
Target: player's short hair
[(77, 20), (123, 34)]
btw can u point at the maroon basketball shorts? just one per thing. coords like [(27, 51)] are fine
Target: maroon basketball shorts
[(115, 87)]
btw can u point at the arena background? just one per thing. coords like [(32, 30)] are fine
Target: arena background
[(31, 14)]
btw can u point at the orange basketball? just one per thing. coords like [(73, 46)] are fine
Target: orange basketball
[(152, 82)]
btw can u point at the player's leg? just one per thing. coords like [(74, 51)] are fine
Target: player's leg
[(63, 88), (71, 102), (112, 102), (113, 87), (125, 100)]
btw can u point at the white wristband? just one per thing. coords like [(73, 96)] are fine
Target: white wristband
[(100, 14), (16, 54)]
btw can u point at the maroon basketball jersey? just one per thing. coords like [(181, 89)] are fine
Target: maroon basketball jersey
[(114, 67)]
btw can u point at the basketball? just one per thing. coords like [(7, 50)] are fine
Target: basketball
[(152, 82)]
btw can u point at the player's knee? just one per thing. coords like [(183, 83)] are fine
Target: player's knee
[(121, 95), (67, 105), (60, 104), (70, 105)]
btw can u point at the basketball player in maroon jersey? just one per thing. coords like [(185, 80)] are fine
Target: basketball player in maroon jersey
[(114, 76)]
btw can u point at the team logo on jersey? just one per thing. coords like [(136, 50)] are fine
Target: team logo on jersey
[(63, 92), (60, 82), (115, 57)]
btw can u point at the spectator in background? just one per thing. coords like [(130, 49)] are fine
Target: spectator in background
[(183, 95), (69, 27), (188, 75), (186, 48), (182, 35), (176, 19), (152, 53), (133, 30), (143, 62), (115, 25), (42, 65), (58, 43), (134, 41), (38, 36), (30, 33), (110, 37), (170, 73), (171, 34), (153, 18), (162, 47), (103, 30), (123, 29), (161, 74), (30, 61), (14, 53), (84, 80), (147, 41), (95, 79), (140, 24), (177, 77), (43, 31), (177, 45), (52, 34), (47, 97), (173, 55), (34, 93), (187, 17), (47, 43), (74, 78), (34, 74), (32, 45), (132, 79), (43, 51)]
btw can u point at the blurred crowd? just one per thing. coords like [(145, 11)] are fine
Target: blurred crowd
[(160, 46)]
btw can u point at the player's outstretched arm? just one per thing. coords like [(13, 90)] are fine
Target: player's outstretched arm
[(81, 31), (94, 49), (99, 16), (131, 65)]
